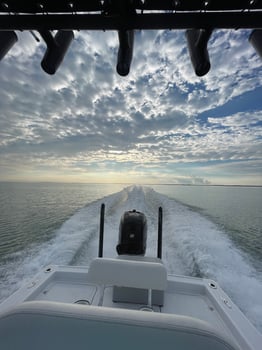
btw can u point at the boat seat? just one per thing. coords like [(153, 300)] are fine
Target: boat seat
[(45, 325), (134, 274), (128, 273)]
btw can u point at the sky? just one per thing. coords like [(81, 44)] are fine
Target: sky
[(160, 124)]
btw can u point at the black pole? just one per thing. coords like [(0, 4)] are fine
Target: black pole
[(159, 242), (101, 233)]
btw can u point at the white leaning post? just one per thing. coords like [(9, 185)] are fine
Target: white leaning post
[(129, 273)]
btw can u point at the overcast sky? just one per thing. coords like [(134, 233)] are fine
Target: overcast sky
[(160, 124)]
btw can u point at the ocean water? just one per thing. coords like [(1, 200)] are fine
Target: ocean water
[(209, 231)]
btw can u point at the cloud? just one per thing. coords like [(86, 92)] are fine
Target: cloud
[(87, 114)]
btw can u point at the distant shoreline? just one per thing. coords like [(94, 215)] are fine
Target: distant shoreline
[(127, 184)]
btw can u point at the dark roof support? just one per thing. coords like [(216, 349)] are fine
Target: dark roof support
[(176, 20)]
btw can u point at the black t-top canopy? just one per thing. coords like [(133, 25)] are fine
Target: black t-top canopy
[(129, 14)]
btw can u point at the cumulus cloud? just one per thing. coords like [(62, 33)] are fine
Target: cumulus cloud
[(86, 114)]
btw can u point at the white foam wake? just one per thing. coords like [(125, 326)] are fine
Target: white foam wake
[(192, 245)]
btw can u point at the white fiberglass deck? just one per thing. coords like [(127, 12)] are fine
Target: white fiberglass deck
[(193, 300)]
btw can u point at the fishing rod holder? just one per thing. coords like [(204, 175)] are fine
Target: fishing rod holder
[(101, 231), (57, 46)]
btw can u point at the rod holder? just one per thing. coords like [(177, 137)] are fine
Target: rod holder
[(57, 47), (160, 225), (101, 231), (125, 51), (197, 40), (7, 40), (255, 39)]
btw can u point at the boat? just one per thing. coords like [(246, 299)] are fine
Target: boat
[(198, 17), (129, 300), (124, 301)]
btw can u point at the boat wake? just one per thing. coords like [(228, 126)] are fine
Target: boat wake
[(192, 245)]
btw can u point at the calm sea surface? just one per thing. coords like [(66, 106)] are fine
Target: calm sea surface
[(32, 212), (209, 231)]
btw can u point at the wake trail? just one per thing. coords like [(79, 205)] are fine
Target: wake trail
[(192, 245)]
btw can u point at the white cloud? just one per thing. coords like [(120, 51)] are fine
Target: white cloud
[(87, 112)]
